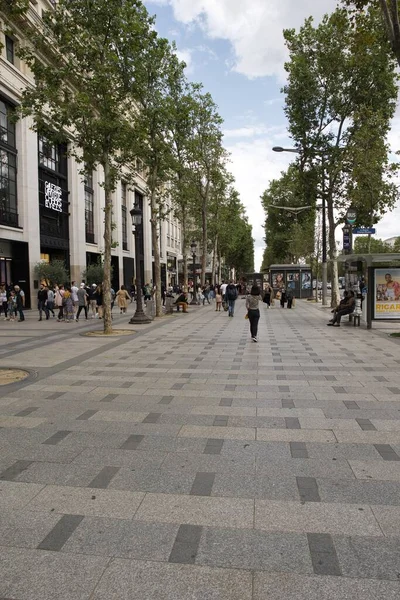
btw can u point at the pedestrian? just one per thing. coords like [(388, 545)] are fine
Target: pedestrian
[(58, 300), (112, 294), (163, 293), (3, 301), (147, 292), (283, 298), (92, 299), (12, 306), (222, 289), (290, 299), (132, 291), (50, 301), (68, 306), (82, 301), (20, 301), (231, 295), (268, 295), (42, 302), (122, 299), (99, 300), (253, 311), (74, 295), (218, 301)]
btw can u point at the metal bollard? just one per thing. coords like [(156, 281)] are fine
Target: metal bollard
[(169, 305)]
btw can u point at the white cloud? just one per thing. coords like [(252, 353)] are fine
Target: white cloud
[(186, 56), (254, 29)]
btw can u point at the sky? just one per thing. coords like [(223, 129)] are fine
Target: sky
[(236, 49)]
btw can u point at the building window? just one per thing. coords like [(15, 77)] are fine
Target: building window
[(10, 49), (8, 168), (49, 154), (89, 207), (124, 210)]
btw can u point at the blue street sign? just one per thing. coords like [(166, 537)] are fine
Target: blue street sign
[(364, 230)]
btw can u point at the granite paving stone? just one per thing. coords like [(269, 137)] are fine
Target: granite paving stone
[(186, 462)]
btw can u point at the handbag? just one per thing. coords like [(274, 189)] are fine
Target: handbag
[(246, 316)]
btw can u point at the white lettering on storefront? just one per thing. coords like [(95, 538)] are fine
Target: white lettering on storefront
[(52, 196)]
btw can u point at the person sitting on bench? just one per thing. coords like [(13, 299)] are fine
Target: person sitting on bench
[(340, 305), (182, 301), (345, 309)]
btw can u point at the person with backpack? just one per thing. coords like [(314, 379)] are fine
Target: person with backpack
[(231, 295)]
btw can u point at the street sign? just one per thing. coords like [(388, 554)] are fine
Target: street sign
[(346, 238), (364, 230), (351, 216)]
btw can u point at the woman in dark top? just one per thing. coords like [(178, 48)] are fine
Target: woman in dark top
[(253, 311)]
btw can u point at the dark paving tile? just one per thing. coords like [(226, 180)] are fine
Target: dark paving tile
[(292, 423), (177, 386), (26, 411), (56, 438), (57, 537), (132, 442), (16, 469), (166, 400), (152, 418), (394, 390), (186, 545), (81, 382), (339, 389), (220, 421), (308, 489), (213, 446), (230, 388), (109, 398), (366, 425), (55, 395), (298, 450), (284, 388), (380, 378), (86, 415), (126, 384), (323, 554), (103, 479), (351, 405), (202, 485), (287, 403), (226, 402), (330, 378), (281, 378), (387, 452)]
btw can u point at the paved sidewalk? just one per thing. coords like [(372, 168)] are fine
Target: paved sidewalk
[(187, 462)]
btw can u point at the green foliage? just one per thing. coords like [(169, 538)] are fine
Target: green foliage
[(365, 245), (51, 273), (289, 233), (94, 273)]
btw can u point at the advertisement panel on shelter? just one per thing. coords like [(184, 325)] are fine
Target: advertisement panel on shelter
[(292, 280), (306, 281), (278, 281), (387, 294)]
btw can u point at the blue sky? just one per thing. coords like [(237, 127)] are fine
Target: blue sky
[(236, 50)]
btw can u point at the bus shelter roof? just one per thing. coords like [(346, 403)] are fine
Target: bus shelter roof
[(370, 259)]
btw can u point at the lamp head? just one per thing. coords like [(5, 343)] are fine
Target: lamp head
[(136, 215)]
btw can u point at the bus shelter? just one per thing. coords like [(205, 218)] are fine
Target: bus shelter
[(294, 278), (382, 285)]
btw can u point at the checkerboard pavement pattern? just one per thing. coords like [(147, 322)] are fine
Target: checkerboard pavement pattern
[(189, 462)]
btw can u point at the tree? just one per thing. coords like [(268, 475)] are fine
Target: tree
[(206, 157), (289, 204), (390, 10), (86, 60), (51, 273), (341, 95), (94, 273), (161, 71), (363, 245)]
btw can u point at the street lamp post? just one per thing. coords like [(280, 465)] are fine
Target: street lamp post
[(324, 253), (193, 247), (140, 317)]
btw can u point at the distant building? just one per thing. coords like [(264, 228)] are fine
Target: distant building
[(392, 240)]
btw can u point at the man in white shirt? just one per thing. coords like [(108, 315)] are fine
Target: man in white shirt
[(223, 289), (74, 296)]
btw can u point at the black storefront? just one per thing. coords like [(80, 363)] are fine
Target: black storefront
[(53, 201)]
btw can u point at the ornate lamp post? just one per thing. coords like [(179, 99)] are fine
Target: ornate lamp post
[(193, 247), (140, 316)]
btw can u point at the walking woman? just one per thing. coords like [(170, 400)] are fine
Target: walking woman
[(99, 300), (122, 299), (253, 311)]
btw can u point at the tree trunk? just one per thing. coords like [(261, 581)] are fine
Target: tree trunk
[(107, 247), (214, 259), (184, 249), (219, 267), (332, 252), (204, 236), (156, 252)]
